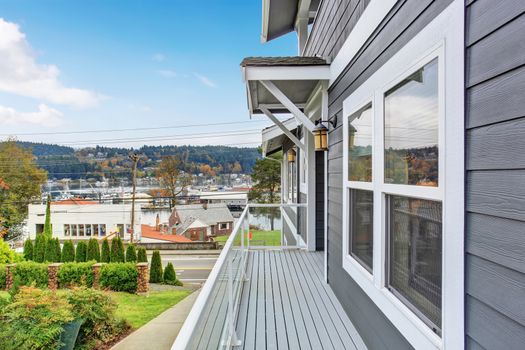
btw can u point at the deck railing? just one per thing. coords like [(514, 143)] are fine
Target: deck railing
[(212, 319)]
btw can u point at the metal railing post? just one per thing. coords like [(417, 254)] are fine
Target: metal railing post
[(248, 219), (232, 335)]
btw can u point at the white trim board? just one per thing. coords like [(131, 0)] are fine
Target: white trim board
[(442, 38)]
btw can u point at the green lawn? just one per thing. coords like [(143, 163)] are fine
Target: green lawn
[(259, 238), (139, 309)]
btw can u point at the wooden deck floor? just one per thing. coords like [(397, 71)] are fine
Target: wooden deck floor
[(285, 304)]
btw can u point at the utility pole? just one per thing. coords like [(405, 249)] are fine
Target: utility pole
[(134, 158)]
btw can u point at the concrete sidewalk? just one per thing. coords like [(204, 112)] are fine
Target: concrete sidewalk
[(159, 333)]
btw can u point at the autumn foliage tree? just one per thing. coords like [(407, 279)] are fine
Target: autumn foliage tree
[(172, 181), (24, 179)]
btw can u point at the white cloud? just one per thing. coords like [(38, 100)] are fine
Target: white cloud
[(20, 73), (205, 80), (158, 57), (167, 73), (45, 116)]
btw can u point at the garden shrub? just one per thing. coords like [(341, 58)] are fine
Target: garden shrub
[(117, 250), (119, 277), (52, 253), (93, 250), (155, 275), (7, 255), (68, 251), (28, 250), (106, 255), (34, 320), (28, 272), (40, 247), (170, 277), (2, 277), (81, 252), (131, 253), (141, 255), (75, 274), (97, 309)]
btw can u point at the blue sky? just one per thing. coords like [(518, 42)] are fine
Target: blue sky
[(99, 64)]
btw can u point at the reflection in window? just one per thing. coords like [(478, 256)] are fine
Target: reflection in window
[(67, 230), (360, 145), (88, 230), (73, 230), (415, 253), (411, 129), (81, 229), (361, 227), (95, 230), (102, 229)]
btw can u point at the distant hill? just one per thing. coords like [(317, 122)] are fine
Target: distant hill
[(67, 162)]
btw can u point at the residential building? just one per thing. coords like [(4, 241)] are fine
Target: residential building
[(201, 222), (406, 149), (158, 234), (80, 219)]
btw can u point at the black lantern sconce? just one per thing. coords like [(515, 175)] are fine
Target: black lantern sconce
[(321, 134)]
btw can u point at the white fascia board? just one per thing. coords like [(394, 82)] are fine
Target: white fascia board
[(374, 13), (319, 72)]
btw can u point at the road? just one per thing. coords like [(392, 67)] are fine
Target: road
[(190, 268)]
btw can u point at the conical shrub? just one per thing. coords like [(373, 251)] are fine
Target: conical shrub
[(68, 252), (52, 253), (28, 250), (117, 250), (40, 248), (170, 277), (141, 255), (131, 253), (93, 250), (105, 257), (155, 274), (81, 252)]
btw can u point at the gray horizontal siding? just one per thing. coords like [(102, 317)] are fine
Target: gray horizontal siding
[(495, 161)]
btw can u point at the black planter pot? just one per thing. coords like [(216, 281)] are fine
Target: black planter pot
[(69, 334)]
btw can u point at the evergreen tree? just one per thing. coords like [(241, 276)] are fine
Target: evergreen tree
[(81, 252), (141, 255), (52, 253), (68, 251), (131, 253), (48, 231), (106, 255), (170, 277), (93, 250), (40, 248), (117, 250), (28, 250), (155, 275)]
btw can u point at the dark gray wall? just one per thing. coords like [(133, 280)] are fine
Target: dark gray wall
[(495, 162), (319, 201), (405, 20)]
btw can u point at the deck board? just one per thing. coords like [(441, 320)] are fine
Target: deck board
[(285, 304)]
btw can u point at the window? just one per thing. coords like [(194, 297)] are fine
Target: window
[(360, 145), (120, 230), (361, 232), (67, 230), (73, 230), (88, 230), (95, 230), (292, 182), (102, 230), (414, 262), (81, 229), (223, 226)]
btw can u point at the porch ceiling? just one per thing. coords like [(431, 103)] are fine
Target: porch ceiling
[(273, 137), (279, 17), (295, 77)]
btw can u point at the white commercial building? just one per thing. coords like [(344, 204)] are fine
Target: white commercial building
[(83, 219)]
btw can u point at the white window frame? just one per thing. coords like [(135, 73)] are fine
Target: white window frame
[(442, 38), (221, 225)]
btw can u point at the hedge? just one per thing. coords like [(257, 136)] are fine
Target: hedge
[(105, 255), (28, 250), (75, 274), (93, 250), (29, 272), (68, 252), (156, 273), (121, 277), (141, 255), (81, 252)]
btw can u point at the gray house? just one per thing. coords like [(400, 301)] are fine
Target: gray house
[(405, 147)]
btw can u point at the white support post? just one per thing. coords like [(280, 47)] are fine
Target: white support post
[(281, 126), (288, 104)]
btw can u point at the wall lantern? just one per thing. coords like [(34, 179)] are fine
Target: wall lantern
[(291, 155), (321, 134)]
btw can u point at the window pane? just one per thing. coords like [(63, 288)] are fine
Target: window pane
[(88, 230), (81, 229), (103, 229), (67, 231), (411, 129), (95, 230), (361, 228), (415, 237), (73, 230), (360, 145)]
